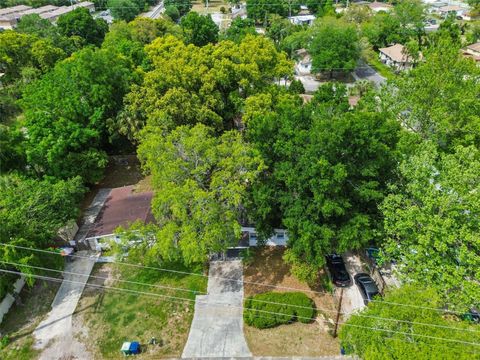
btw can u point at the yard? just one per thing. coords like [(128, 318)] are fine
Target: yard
[(213, 6), (294, 339), (20, 322), (111, 317)]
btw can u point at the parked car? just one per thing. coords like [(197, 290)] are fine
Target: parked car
[(472, 315), (338, 271), (367, 287)]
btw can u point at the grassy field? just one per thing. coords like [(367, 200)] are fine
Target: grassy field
[(112, 317), (294, 339), (19, 324)]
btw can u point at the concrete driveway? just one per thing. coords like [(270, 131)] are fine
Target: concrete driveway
[(366, 72), (352, 298), (217, 326), (56, 330)]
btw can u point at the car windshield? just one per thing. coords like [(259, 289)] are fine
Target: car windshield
[(343, 275)]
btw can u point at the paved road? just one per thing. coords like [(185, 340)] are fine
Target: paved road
[(366, 72), (352, 299), (217, 328), (157, 11)]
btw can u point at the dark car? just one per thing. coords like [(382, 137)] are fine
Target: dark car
[(367, 287), (340, 276)]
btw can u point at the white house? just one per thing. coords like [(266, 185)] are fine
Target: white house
[(302, 19), (452, 9), (473, 52), (279, 238), (396, 56)]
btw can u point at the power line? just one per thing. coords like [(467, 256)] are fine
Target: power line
[(232, 306), (252, 299), (104, 278), (233, 280)]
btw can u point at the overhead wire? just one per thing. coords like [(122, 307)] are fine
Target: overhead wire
[(42, 277), (251, 299), (233, 280)]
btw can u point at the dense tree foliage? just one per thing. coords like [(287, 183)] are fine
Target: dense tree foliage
[(200, 183), (199, 29), (239, 28), (80, 22), (183, 6), (260, 9), (66, 113), (438, 100), (408, 338), (31, 213), (431, 225), (189, 85), (334, 46), (328, 170)]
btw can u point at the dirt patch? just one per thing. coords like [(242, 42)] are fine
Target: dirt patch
[(297, 339), (22, 319)]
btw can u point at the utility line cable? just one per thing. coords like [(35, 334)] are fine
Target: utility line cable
[(232, 280), (252, 299), (234, 306)]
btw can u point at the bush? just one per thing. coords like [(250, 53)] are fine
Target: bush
[(172, 12), (272, 309)]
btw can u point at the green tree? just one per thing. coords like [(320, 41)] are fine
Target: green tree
[(431, 224), (382, 30), (328, 170), (172, 12), (438, 99), (260, 9), (183, 6), (199, 29), (239, 28), (408, 338), (411, 17), (66, 113), (200, 183), (334, 46), (31, 213), (278, 28), (124, 9), (189, 85), (81, 23)]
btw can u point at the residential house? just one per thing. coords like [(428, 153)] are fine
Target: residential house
[(302, 19), (473, 52), (452, 9), (396, 57), (379, 6)]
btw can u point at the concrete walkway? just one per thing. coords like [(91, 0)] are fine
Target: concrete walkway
[(217, 326), (56, 330)]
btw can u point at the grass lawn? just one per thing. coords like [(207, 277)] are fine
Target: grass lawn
[(213, 6), (21, 321), (111, 317), (294, 339)]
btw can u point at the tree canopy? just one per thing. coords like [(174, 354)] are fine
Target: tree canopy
[(328, 168), (189, 84), (66, 113), (334, 46), (407, 337), (431, 225), (200, 182), (199, 29), (80, 22)]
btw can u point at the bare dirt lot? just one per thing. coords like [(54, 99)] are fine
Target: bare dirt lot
[(295, 339)]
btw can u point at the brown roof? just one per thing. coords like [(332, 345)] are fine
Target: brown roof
[(122, 207), (379, 5), (474, 47), (396, 53)]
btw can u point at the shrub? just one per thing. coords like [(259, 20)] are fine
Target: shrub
[(272, 309), (223, 10)]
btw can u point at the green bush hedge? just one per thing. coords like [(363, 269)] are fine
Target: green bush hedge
[(272, 309)]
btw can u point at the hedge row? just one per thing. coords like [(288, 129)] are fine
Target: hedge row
[(273, 308)]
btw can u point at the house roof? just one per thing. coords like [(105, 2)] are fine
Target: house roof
[(396, 53), (474, 47), (39, 10), (376, 5), (122, 207), (451, 8), (14, 9)]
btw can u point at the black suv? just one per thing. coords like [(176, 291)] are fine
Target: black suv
[(367, 287), (336, 266)]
